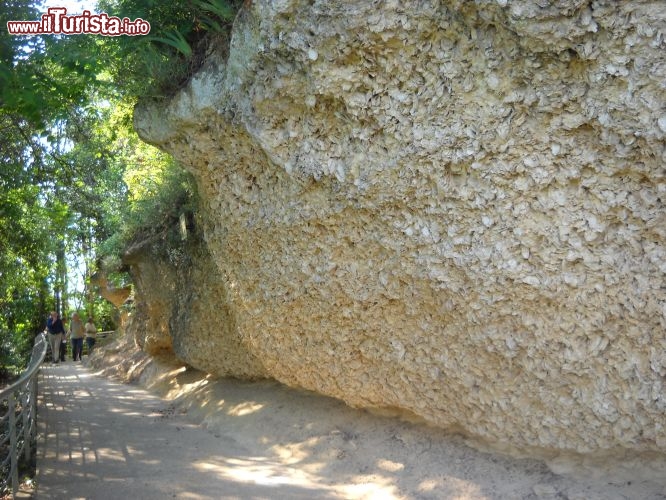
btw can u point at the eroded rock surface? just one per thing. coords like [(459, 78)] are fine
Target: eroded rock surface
[(181, 307), (451, 208)]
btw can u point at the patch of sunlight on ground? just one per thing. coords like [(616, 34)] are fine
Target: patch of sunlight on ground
[(170, 375), (126, 413), (390, 466), (369, 490), (110, 454), (245, 408), (138, 454), (133, 392), (261, 471), (186, 495), (468, 490), (184, 389), (264, 472), (296, 452)]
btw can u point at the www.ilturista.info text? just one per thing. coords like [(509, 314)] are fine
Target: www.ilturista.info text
[(57, 22)]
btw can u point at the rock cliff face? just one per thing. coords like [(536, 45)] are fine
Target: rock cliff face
[(450, 208), (181, 307)]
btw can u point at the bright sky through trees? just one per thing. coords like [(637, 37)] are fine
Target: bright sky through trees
[(77, 186), (72, 6)]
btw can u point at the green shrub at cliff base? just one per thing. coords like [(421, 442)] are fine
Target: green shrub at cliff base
[(159, 194), (103, 312), (158, 213)]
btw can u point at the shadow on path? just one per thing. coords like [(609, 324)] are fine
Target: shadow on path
[(224, 438), (99, 439)]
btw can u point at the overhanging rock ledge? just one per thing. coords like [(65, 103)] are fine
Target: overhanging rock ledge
[(452, 209)]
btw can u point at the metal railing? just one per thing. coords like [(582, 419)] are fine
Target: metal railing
[(18, 412), (105, 336)]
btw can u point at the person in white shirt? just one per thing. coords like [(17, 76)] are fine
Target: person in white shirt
[(91, 334)]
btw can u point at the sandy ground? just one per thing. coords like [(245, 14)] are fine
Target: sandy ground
[(296, 439)]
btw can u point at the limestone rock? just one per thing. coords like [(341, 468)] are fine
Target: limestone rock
[(116, 295), (452, 208), (181, 308)]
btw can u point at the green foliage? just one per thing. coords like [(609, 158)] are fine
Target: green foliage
[(157, 65), (177, 41), (215, 14), (157, 201), (51, 205), (25, 248), (76, 183), (43, 78), (103, 313), (15, 349), (160, 207), (220, 8), (155, 189)]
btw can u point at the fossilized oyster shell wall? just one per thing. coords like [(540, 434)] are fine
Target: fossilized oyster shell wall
[(451, 208), (180, 306)]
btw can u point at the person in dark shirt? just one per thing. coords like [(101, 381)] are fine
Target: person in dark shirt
[(56, 332)]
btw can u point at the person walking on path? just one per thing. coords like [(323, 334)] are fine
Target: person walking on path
[(91, 334), (76, 333), (63, 343), (56, 332)]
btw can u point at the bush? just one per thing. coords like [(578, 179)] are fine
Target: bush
[(159, 64), (155, 214)]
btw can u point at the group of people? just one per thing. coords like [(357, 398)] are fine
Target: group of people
[(57, 336)]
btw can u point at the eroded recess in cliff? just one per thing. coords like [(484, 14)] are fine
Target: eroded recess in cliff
[(448, 208)]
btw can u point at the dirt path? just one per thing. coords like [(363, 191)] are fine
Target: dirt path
[(233, 439)]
